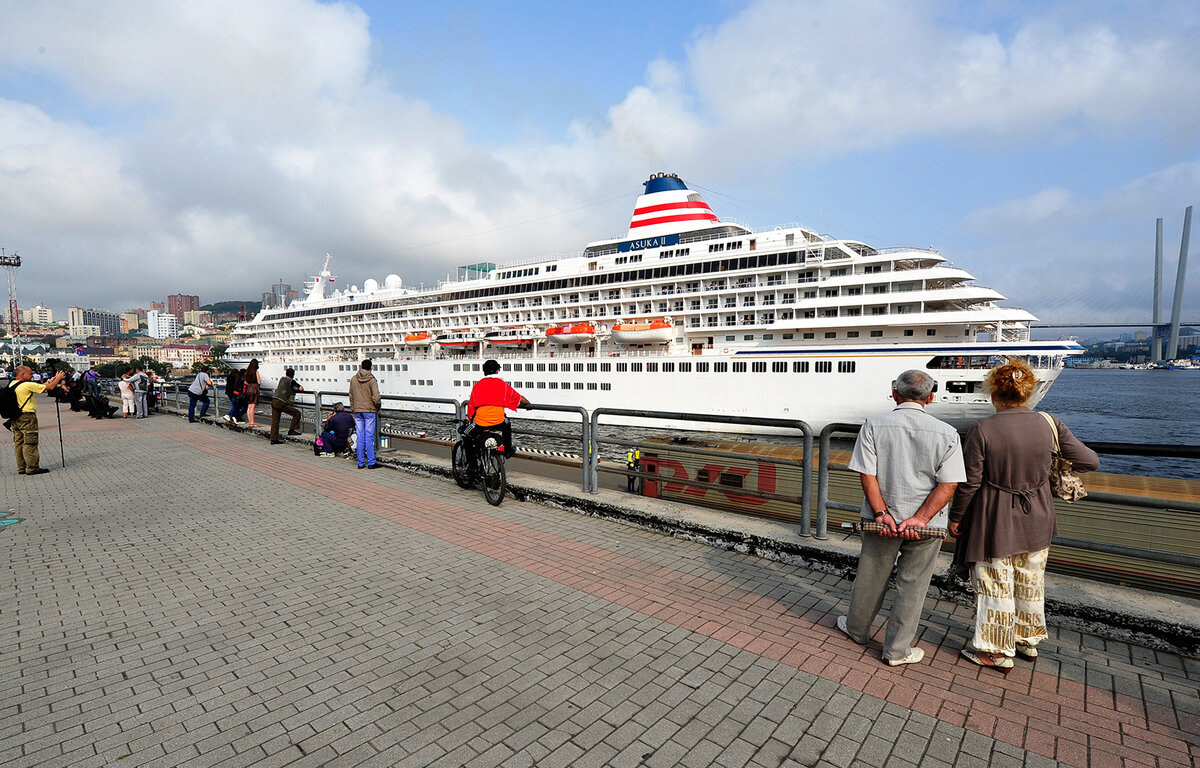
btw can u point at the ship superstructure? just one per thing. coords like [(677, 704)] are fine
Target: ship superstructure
[(683, 313)]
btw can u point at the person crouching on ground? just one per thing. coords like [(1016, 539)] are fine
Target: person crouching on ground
[(365, 403), (909, 464), (1003, 516), (335, 435), (25, 426), (283, 401)]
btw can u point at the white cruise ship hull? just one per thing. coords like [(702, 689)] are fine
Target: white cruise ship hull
[(782, 323), (836, 387)]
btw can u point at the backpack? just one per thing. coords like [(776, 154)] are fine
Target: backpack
[(10, 408)]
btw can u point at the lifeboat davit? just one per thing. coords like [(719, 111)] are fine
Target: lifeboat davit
[(578, 333), (458, 341), (511, 338), (419, 339), (653, 332)]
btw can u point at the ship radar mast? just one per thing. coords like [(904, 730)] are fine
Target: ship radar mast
[(316, 285)]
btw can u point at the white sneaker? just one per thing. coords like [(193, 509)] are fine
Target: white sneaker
[(914, 656)]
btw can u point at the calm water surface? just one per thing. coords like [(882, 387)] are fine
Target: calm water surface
[(1132, 407)]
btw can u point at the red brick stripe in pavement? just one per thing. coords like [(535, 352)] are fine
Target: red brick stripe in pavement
[(1068, 721)]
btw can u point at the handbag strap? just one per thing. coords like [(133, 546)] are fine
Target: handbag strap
[(1053, 429)]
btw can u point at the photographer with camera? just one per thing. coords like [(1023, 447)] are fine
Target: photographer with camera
[(283, 401), (25, 426)]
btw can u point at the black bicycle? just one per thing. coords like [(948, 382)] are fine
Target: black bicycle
[(484, 465)]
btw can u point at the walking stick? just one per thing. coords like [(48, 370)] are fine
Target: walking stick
[(58, 413)]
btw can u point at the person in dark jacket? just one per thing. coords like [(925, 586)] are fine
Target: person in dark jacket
[(284, 401), (335, 435), (1003, 516)]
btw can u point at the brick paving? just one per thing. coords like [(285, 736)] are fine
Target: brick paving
[(187, 595)]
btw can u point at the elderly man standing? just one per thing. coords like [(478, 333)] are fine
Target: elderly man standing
[(25, 426), (909, 464)]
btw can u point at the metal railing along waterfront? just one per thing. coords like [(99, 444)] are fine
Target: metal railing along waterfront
[(593, 456), (1127, 449), (314, 404)]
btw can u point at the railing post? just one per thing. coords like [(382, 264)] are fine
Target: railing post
[(591, 459), (317, 405), (806, 481), (585, 430), (823, 485)]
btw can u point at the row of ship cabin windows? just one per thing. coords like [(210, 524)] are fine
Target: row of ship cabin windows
[(638, 275), (602, 386), (756, 366)]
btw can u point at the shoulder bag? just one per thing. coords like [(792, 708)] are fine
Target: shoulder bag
[(1064, 483)]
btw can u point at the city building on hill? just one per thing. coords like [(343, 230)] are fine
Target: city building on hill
[(78, 333), (179, 304), (182, 355), (197, 317), (38, 315), (130, 321), (161, 325), (157, 306), (108, 322)]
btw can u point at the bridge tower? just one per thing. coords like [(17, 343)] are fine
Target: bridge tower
[(1168, 332), (1173, 344), (10, 264)]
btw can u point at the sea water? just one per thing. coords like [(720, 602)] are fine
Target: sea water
[(1118, 406)]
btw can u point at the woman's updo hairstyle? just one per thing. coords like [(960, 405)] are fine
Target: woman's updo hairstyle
[(1012, 383)]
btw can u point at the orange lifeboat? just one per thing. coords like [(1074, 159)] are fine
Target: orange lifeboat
[(419, 339), (575, 333), (651, 332)]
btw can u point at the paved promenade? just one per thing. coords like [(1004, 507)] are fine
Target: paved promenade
[(188, 595)]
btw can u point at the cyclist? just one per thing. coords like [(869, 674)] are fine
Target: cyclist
[(490, 396)]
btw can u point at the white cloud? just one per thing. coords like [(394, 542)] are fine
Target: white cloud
[(1091, 260), (1038, 207), (819, 79), (214, 147)]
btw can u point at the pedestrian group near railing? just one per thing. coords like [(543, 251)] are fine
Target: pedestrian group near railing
[(994, 494)]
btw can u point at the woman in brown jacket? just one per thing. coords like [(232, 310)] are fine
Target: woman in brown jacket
[(1004, 517)]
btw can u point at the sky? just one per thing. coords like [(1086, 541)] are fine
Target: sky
[(149, 148)]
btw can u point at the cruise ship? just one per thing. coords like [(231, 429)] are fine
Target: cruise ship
[(684, 313)]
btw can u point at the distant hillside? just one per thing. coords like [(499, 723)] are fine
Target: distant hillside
[(220, 307)]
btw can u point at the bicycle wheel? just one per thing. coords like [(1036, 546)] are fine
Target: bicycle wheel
[(493, 477), (461, 465)]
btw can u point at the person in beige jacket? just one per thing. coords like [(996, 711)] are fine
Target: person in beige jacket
[(365, 403)]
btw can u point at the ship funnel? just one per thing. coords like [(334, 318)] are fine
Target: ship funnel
[(668, 207)]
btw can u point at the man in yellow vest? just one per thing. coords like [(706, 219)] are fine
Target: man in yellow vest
[(25, 426)]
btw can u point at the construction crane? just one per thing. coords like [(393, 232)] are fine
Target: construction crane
[(10, 264)]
